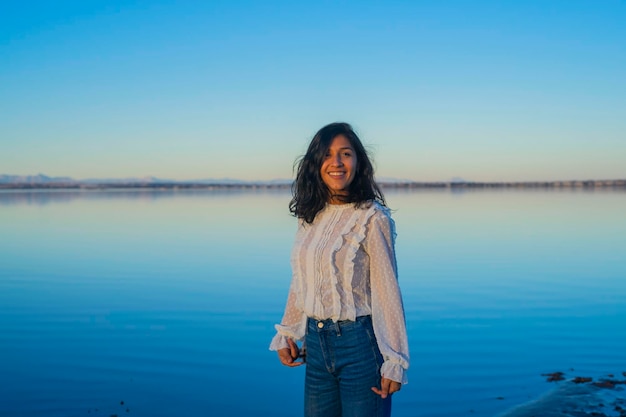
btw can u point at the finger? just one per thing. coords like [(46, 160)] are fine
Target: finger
[(285, 356), (293, 349), (288, 361), (394, 387), (384, 388)]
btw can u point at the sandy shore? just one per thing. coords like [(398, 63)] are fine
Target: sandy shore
[(579, 396)]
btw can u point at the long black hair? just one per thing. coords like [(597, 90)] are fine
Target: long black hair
[(310, 194)]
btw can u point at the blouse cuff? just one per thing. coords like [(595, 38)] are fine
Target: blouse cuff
[(282, 334), (394, 371), (279, 342)]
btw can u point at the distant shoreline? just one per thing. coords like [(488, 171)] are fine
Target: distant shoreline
[(400, 185)]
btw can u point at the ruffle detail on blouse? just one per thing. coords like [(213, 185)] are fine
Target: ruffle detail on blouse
[(283, 333), (352, 228), (279, 342), (394, 371), (358, 223)]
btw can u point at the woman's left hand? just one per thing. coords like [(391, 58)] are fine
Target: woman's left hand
[(387, 387)]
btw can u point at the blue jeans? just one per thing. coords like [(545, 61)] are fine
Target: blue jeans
[(342, 365)]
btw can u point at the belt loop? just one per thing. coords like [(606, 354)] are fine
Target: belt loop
[(338, 328)]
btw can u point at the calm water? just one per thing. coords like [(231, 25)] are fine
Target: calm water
[(166, 301)]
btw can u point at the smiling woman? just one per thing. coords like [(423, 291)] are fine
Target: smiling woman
[(344, 303), (337, 171)]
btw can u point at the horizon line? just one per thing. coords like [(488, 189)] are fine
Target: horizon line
[(240, 185), (43, 178)]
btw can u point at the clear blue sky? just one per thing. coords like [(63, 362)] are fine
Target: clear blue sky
[(483, 90)]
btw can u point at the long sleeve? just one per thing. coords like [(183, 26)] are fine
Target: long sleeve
[(293, 324), (387, 308)]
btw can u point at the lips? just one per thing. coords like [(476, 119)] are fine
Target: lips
[(336, 174)]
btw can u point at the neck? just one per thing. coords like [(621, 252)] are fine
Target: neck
[(338, 199)]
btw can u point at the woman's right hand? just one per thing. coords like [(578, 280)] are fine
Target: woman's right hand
[(289, 355)]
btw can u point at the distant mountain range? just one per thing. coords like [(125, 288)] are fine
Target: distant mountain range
[(32, 179)]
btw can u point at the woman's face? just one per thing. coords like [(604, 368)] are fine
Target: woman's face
[(339, 166)]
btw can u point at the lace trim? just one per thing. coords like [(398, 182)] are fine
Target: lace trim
[(394, 371), (354, 243), (358, 222), (333, 270), (294, 333), (324, 268)]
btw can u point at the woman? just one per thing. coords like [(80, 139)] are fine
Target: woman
[(344, 302)]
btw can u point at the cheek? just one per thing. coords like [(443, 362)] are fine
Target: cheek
[(353, 168)]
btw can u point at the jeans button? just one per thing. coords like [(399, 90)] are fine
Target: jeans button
[(320, 324)]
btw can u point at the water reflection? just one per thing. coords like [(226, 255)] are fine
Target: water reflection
[(166, 299), (43, 197)]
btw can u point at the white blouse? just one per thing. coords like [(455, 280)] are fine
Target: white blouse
[(344, 266)]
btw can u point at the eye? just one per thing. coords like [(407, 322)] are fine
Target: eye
[(347, 153)]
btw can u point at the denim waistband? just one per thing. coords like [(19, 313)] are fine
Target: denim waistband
[(329, 324)]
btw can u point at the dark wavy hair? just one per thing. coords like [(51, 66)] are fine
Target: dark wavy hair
[(310, 194)]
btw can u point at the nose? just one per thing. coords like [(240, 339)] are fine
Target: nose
[(337, 160)]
